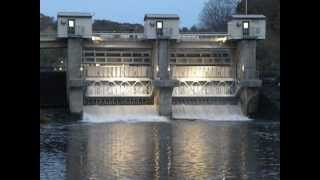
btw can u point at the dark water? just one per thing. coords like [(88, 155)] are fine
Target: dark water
[(176, 150)]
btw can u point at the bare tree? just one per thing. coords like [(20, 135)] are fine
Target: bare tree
[(215, 14), (193, 28)]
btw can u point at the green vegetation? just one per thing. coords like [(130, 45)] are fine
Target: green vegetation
[(269, 103), (268, 51), (106, 25), (52, 57), (216, 13), (49, 24)]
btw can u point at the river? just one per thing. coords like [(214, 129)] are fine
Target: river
[(160, 150)]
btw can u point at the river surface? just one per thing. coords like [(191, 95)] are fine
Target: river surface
[(160, 150)]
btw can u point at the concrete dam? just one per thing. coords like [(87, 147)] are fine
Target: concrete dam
[(160, 71)]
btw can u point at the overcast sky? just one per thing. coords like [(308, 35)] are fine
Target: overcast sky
[(131, 11)]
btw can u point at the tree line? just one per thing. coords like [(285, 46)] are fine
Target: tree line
[(49, 24), (216, 13)]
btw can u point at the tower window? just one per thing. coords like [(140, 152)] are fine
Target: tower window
[(245, 28), (159, 26), (71, 26), (71, 23)]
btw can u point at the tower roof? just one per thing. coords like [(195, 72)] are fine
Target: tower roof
[(74, 14), (248, 16), (161, 16)]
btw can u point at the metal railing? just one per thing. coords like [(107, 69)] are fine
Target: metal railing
[(114, 35), (201, 72), (123, 71), (119, 89), (118, 101), (167, 32), (136, 36), (207, 89), (203, 36)]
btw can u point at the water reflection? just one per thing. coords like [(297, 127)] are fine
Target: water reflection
[(177, 150), (201, 151), (119, 151), (52, 154)]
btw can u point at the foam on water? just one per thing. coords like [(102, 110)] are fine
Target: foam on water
[(209, 112), (148, 113), (122, 113)]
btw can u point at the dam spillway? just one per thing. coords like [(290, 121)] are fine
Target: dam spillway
[(121, 113), (160, 70), (145, 113)]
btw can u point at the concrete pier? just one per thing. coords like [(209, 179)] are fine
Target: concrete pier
[(248, 76), (163, 96), (247, 59), (163, 59), (164, 86), (74, 79)]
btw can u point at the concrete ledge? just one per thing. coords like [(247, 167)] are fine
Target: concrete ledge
[(201, 100), (251, 83), (165, 83), (75, 83)]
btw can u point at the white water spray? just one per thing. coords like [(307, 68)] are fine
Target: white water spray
[(209, 112), (122, 113), (148, 113)]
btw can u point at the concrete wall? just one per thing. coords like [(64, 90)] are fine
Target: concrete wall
[(249, 100), (83, 27), (155, 63), (74, 79), (165, 102), (163, 59), (163, 86), (246, 55), (170, 28), (257, 28), (163, 96)]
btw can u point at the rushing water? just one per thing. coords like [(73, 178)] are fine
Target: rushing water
[(160, 150), (143, 113)]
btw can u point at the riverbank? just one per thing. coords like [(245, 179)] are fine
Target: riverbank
[(48, 115)]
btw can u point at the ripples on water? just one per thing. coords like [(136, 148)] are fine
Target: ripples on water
[(176, 150)]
